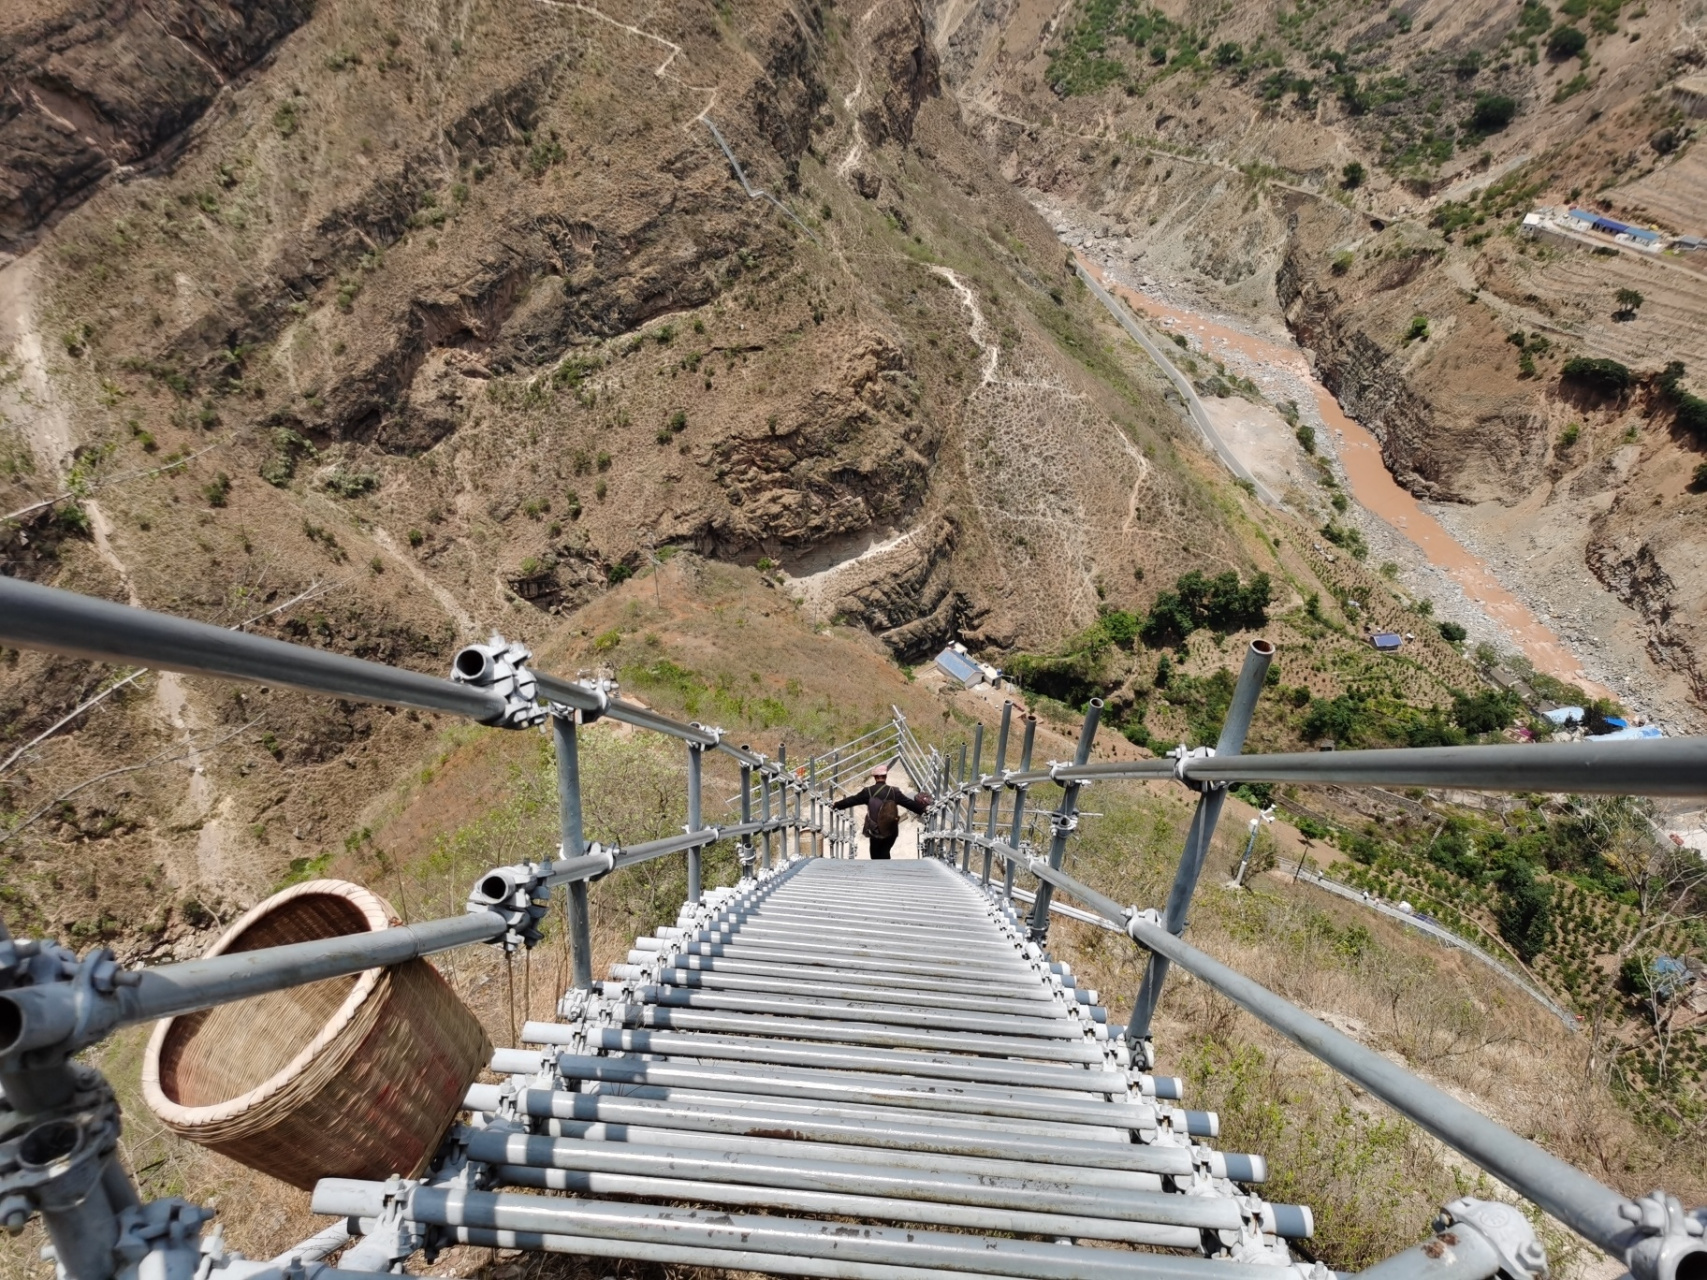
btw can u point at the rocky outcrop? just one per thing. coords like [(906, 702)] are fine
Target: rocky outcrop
[(1368, 382), (1635, 569), (1452, 425), (910, 597), (905, 65), (104, 85)]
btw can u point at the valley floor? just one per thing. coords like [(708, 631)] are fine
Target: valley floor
[(1513, 577)]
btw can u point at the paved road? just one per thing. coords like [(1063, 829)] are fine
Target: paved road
[(1182, 383)]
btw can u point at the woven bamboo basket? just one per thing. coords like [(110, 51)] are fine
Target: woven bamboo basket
[(355, 1077)]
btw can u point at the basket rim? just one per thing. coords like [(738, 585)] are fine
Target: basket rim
[(378, 915)]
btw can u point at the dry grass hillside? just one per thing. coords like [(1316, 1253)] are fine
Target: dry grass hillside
[(1345, 170), (442, 321)]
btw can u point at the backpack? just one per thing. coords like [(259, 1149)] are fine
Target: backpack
[(882, 813)]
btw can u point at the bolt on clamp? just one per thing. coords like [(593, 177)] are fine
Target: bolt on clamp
[(391, 1237), (1506, 1229), (51, 1160), (519, 895), (1183, 755), (1670, 1234), (502, 668), (167, 1227)]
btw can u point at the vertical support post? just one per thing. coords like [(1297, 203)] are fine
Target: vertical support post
[(1202, 830), (996, 795), (765, 811), (696, 756), (972, 795), (746, 862), (782, 800), (945, 845), (818, 831), (799, 803), (955, 854), (1019, 804), (1064, 820), (1245, 858), (574, 845)]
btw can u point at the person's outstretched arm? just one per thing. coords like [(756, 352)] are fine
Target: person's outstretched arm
[(848, 802), (917, 804)]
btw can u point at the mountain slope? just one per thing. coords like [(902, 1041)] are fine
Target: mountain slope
[(1346, 170), (446, 320)]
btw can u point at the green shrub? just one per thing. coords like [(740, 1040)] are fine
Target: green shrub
[(618, 573), (1566, 42), (1352, 175), (1452, 632), (1306, 435), (543, 154), (1343, 261), (288, 118), (72, 519), (351, 484), (1600, 375), (1484, 712), (1569, 436), (279, 467), (1350, 539), (1525, 912), (1492, 112), (1691, 409), (1418, 329), (217, 490), (1221, 603), (1345, 719)]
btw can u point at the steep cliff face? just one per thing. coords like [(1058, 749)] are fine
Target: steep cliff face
[(1454, 421), (1653, 560), (89, 88)]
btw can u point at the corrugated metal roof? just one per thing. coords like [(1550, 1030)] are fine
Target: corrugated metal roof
[(959, 666)]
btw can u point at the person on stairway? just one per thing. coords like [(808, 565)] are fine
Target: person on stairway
[(882, 811)]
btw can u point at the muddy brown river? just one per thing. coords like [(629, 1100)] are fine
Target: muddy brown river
[(1378, 493)]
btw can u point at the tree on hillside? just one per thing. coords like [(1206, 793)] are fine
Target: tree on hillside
[(1492, 112), (1566, 41), (1220, 603), (1351, 176), (1486, 712), (1614, 839), (1691, 408), (1525, 912), (1629, 301), (1598, 374)]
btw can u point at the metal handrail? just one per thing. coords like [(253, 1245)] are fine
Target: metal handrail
[(38, 617), (1647, 767), (1590, 1208)]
